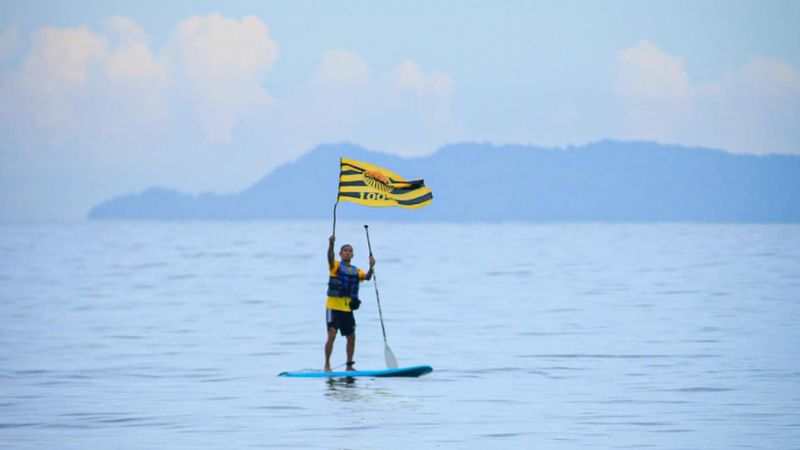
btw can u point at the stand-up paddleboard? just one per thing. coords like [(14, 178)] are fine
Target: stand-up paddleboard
[(412, 371)]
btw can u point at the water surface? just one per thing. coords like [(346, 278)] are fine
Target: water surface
[(170, 335)]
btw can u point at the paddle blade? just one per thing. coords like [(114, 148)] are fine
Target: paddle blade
[(391, 361)]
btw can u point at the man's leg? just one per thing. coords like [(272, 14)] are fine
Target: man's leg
[(351, 348), (329, 348)]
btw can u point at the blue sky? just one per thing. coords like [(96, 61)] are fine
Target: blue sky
[(102, 98)]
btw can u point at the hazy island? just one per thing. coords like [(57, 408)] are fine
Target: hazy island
[(607, 181)]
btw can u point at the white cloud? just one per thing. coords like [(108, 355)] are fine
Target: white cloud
[(224, 61), (74, 87), (101, 89), (62, 56), (134, 62), (131, 60), (342, 67), (764, 78), (216, 48), (404, 110), (211, 70), (752, 108), (9, 39), (411, 77), (124, 30), (433, 92), (52, 77), (645, 71)]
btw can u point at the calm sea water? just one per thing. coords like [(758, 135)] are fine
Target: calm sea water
[(153, 335)]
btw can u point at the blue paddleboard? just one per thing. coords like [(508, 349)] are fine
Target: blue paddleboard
[(412, 371)]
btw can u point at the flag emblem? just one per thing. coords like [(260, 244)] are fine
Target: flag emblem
[(377, 180)]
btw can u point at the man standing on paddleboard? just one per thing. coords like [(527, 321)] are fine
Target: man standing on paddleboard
[(343, 282)]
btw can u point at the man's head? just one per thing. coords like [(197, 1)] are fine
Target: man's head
[(346, 252)]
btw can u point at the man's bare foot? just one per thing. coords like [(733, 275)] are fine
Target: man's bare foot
[(327, 368)]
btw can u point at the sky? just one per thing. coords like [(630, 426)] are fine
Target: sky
[(103, 98)]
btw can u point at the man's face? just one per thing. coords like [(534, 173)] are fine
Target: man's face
[(346, 253)]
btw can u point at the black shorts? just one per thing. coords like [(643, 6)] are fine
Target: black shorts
[(344, 321)]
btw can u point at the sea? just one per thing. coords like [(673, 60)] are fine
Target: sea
[(134, 335)]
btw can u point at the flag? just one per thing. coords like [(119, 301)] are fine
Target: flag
[(370, 185)]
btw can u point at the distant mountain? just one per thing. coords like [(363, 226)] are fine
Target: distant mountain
[(604, 181)]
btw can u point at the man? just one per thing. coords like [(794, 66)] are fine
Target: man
[(343, 282)]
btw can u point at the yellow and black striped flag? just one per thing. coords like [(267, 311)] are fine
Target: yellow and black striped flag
[(370, 185)]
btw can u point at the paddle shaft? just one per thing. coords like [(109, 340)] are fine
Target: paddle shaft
[(375, 281)]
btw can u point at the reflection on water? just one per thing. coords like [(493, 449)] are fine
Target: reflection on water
[(351, 389), (343, 390)]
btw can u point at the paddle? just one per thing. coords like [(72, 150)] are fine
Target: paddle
[(391, 361)]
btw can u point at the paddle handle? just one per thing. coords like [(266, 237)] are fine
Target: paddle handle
[(366, 229)]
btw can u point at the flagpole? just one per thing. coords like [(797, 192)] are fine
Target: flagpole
[(334, 214), (338, 186)]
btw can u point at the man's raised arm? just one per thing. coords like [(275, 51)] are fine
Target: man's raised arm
[(331, 256)]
